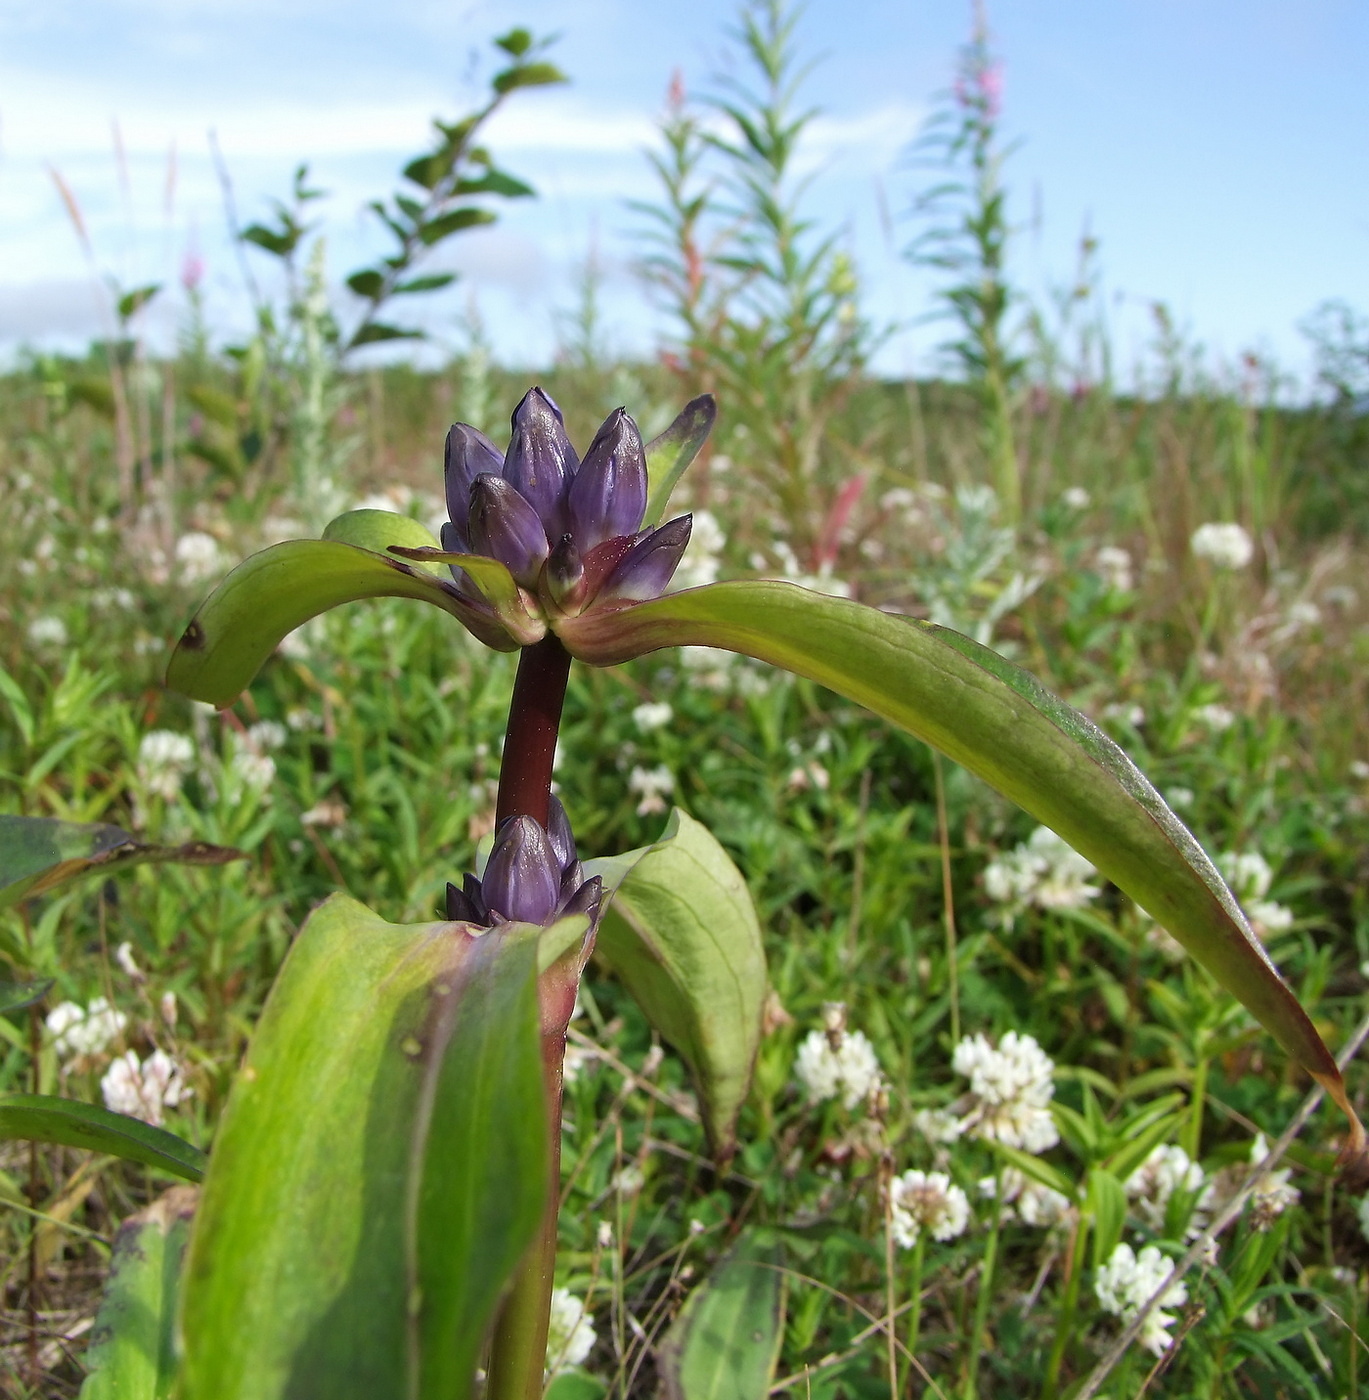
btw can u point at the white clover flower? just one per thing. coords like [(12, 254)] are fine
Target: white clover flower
[(1272, 1195), (1217, 718), (837, 1063), (653, 786), (926, 1201), (163, 758), (570, 1337), (1076, 498), (1045, 871), (1036, 1205), (48, 631), (143, 1088), (267, 734), (1010, 1091), (84, 1030), (198, 557), (1168, 1169), (1224, 544), (702, 555), (1247, 872), (652, 716), (937, 1124), (255, 771), (1124, 1285), (1114, 566)]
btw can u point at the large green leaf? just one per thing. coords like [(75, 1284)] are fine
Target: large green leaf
[(381, 1166), (132, 1348), (39, 853), (680, 931), (1002, 724), (725, 1342), (42, 1118), (267, 596)]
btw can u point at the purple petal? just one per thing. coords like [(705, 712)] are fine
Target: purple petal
[(559, 834), (468, 453), (647, 568), (585, 900), (608, 494), (522, 880), (541, 461), (504, 526)]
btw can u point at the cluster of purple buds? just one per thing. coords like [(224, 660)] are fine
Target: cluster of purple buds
[(533, 876), (569, 531)]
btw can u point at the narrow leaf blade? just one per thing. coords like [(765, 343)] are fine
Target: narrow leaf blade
[(39, 853), (1003, 725), (43, 1118)]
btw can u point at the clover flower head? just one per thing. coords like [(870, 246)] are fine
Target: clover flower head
[(1166, 1170), (1010, 1091), (533, 876), (837, 1063), (652, 715), (1125, 1284), (1223, 544), (143, 1088), (652, 786), (163, 760), (1113, 565), (198, 557), (1045, 871), (571, 1336), (1033, 1203), (84, 1030), (1272, 1194), (926, 1201)]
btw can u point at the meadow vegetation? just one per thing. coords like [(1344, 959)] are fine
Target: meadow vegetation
[(946, 978)]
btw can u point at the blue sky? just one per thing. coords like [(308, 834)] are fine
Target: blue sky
[(1214, 147)]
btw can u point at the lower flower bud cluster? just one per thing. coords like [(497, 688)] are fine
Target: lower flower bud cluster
[(533, 876)]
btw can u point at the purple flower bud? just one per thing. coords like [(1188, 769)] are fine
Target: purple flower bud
[(565, 575), (540, 461), (608, 494), (649, 565), (522, 880), (560, 835), (468, 453), (505, 527), (585, 900)]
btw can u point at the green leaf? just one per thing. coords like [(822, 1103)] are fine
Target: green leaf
[(377, 530), (380, 1167), (680, 932), (1003, 725), (42, 1118), (273, 592), (433, 282), (1107, 1203), (376, 332), (133, 302), (1141, 1143), (39, 853), (495, 182), (1034, 1168), (725, 1342), (453, 221), (132, 1347), (280, 244), (17, 996), (527, 75), (367, 283), (516, 42), (668, 455), (575, 1385)]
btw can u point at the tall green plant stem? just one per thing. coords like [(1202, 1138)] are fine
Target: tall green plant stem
[(981, 1307), (519, 1346), (1064, 1327)]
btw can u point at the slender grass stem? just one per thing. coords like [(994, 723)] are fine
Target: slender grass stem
[(1064, 1326), (986, 1280), (915, 1292)]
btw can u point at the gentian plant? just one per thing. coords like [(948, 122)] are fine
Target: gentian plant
[(378, 1215)]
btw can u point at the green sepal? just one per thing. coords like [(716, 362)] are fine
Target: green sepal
[(668, 455)]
